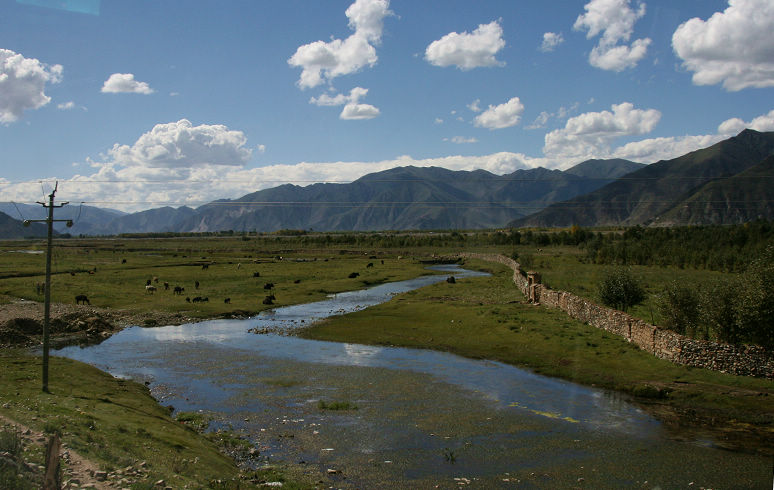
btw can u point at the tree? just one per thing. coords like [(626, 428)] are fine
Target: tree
[(619, 289)]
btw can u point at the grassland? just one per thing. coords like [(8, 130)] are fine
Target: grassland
[(487, 318), (478, 318)]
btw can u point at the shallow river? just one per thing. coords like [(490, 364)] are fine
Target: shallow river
[(423, 418)]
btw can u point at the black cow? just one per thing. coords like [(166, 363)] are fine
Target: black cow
[(82, 299)]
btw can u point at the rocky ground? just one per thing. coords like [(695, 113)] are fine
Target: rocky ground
[(21, 322)]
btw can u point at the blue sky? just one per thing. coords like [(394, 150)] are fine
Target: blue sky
[(139, 104)]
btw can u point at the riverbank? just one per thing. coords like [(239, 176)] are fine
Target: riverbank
[(488, 318)]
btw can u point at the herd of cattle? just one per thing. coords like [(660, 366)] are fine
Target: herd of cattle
[(152, 285)]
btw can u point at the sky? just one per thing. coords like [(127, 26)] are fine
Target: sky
[(142, 104)]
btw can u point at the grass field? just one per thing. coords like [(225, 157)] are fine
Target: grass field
[(487, 318)]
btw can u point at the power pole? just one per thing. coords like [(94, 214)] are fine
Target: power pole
[(47, 305)]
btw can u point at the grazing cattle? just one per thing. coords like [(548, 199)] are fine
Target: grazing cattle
[(353, 275), (148, 282), (268, 285), (196, 284), (91, 273), (205, 299), (178, 290), (268, 300), (227, 301), (155, 279), (150, 289), (451, 280), (72, 273), (196, 299), (82, 299), (370, 264), (239, 266), (123, 261), (296, 281), (166, 286), (382, 261), (256, 274), (205, 267), (187, 299)]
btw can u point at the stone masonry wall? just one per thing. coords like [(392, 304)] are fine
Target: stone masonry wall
[(746, 360)]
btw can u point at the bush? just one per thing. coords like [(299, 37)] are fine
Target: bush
[(620, 290), (679, 308)]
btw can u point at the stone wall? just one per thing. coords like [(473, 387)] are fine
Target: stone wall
[(746, 360)]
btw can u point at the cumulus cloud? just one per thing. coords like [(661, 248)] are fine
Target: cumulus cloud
[(321, 61), (125, 83), (550, 41), (474, 106), (501, 116), (614, 20), (734, 47), (359, 111), (735, 125), (353, 109), (542, 119), (66, 106), (22, 84), (182, 145), (468, 50), (592, 133)]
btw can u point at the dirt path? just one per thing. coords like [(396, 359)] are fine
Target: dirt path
[(77, 471)]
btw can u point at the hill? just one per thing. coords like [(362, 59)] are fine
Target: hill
[(643, 196), (14, 228)]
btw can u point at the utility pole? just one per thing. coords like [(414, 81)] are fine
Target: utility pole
[(47, 305)]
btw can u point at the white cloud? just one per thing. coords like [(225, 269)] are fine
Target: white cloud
[(550, 41), (733, 126), (501, 116), (542, 119), (66, 106), (125, 83), (438, 120), (474, 106), (22, 84), (614, 19), (322, 60), (655, 149), (734, 47), (183, 145), (467, 51), (592, 133), (355, 111), (461, 140), (261, 148)]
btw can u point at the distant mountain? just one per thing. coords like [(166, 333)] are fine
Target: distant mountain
[(85, 218), (403, 198), (664, 187), (14, 228), (397, 199), (744, 197)]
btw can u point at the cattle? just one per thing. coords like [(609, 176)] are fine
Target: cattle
[(370, 264), (123, 261), (196, 284), (196, 299), (296, 281), (166, 286), (40, 287), (150, 289), (353, 275), (239, 266), (155, 279), (187, 299), (451, 280), (227, 301), (148, 282), (268, 286), (82, 299), (205, 267), (256, 274), (268, 300), (178, 290), (382, 261)]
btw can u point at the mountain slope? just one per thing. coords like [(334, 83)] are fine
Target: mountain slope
[(13, 228), (641, 196)]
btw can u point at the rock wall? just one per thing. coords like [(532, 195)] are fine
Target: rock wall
[(745, 360)]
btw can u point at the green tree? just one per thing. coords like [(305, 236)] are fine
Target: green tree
[(679, 308), (620, 289)]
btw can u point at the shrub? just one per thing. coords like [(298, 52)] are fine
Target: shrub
[(679, 308), (619, 289)]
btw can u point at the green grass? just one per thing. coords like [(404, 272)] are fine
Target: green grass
[(298, 276), (336, 406), (487, 318)]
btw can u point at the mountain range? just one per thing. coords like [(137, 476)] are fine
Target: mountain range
[(729, 182)]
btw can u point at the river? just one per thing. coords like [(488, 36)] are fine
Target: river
[(422, 418)]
